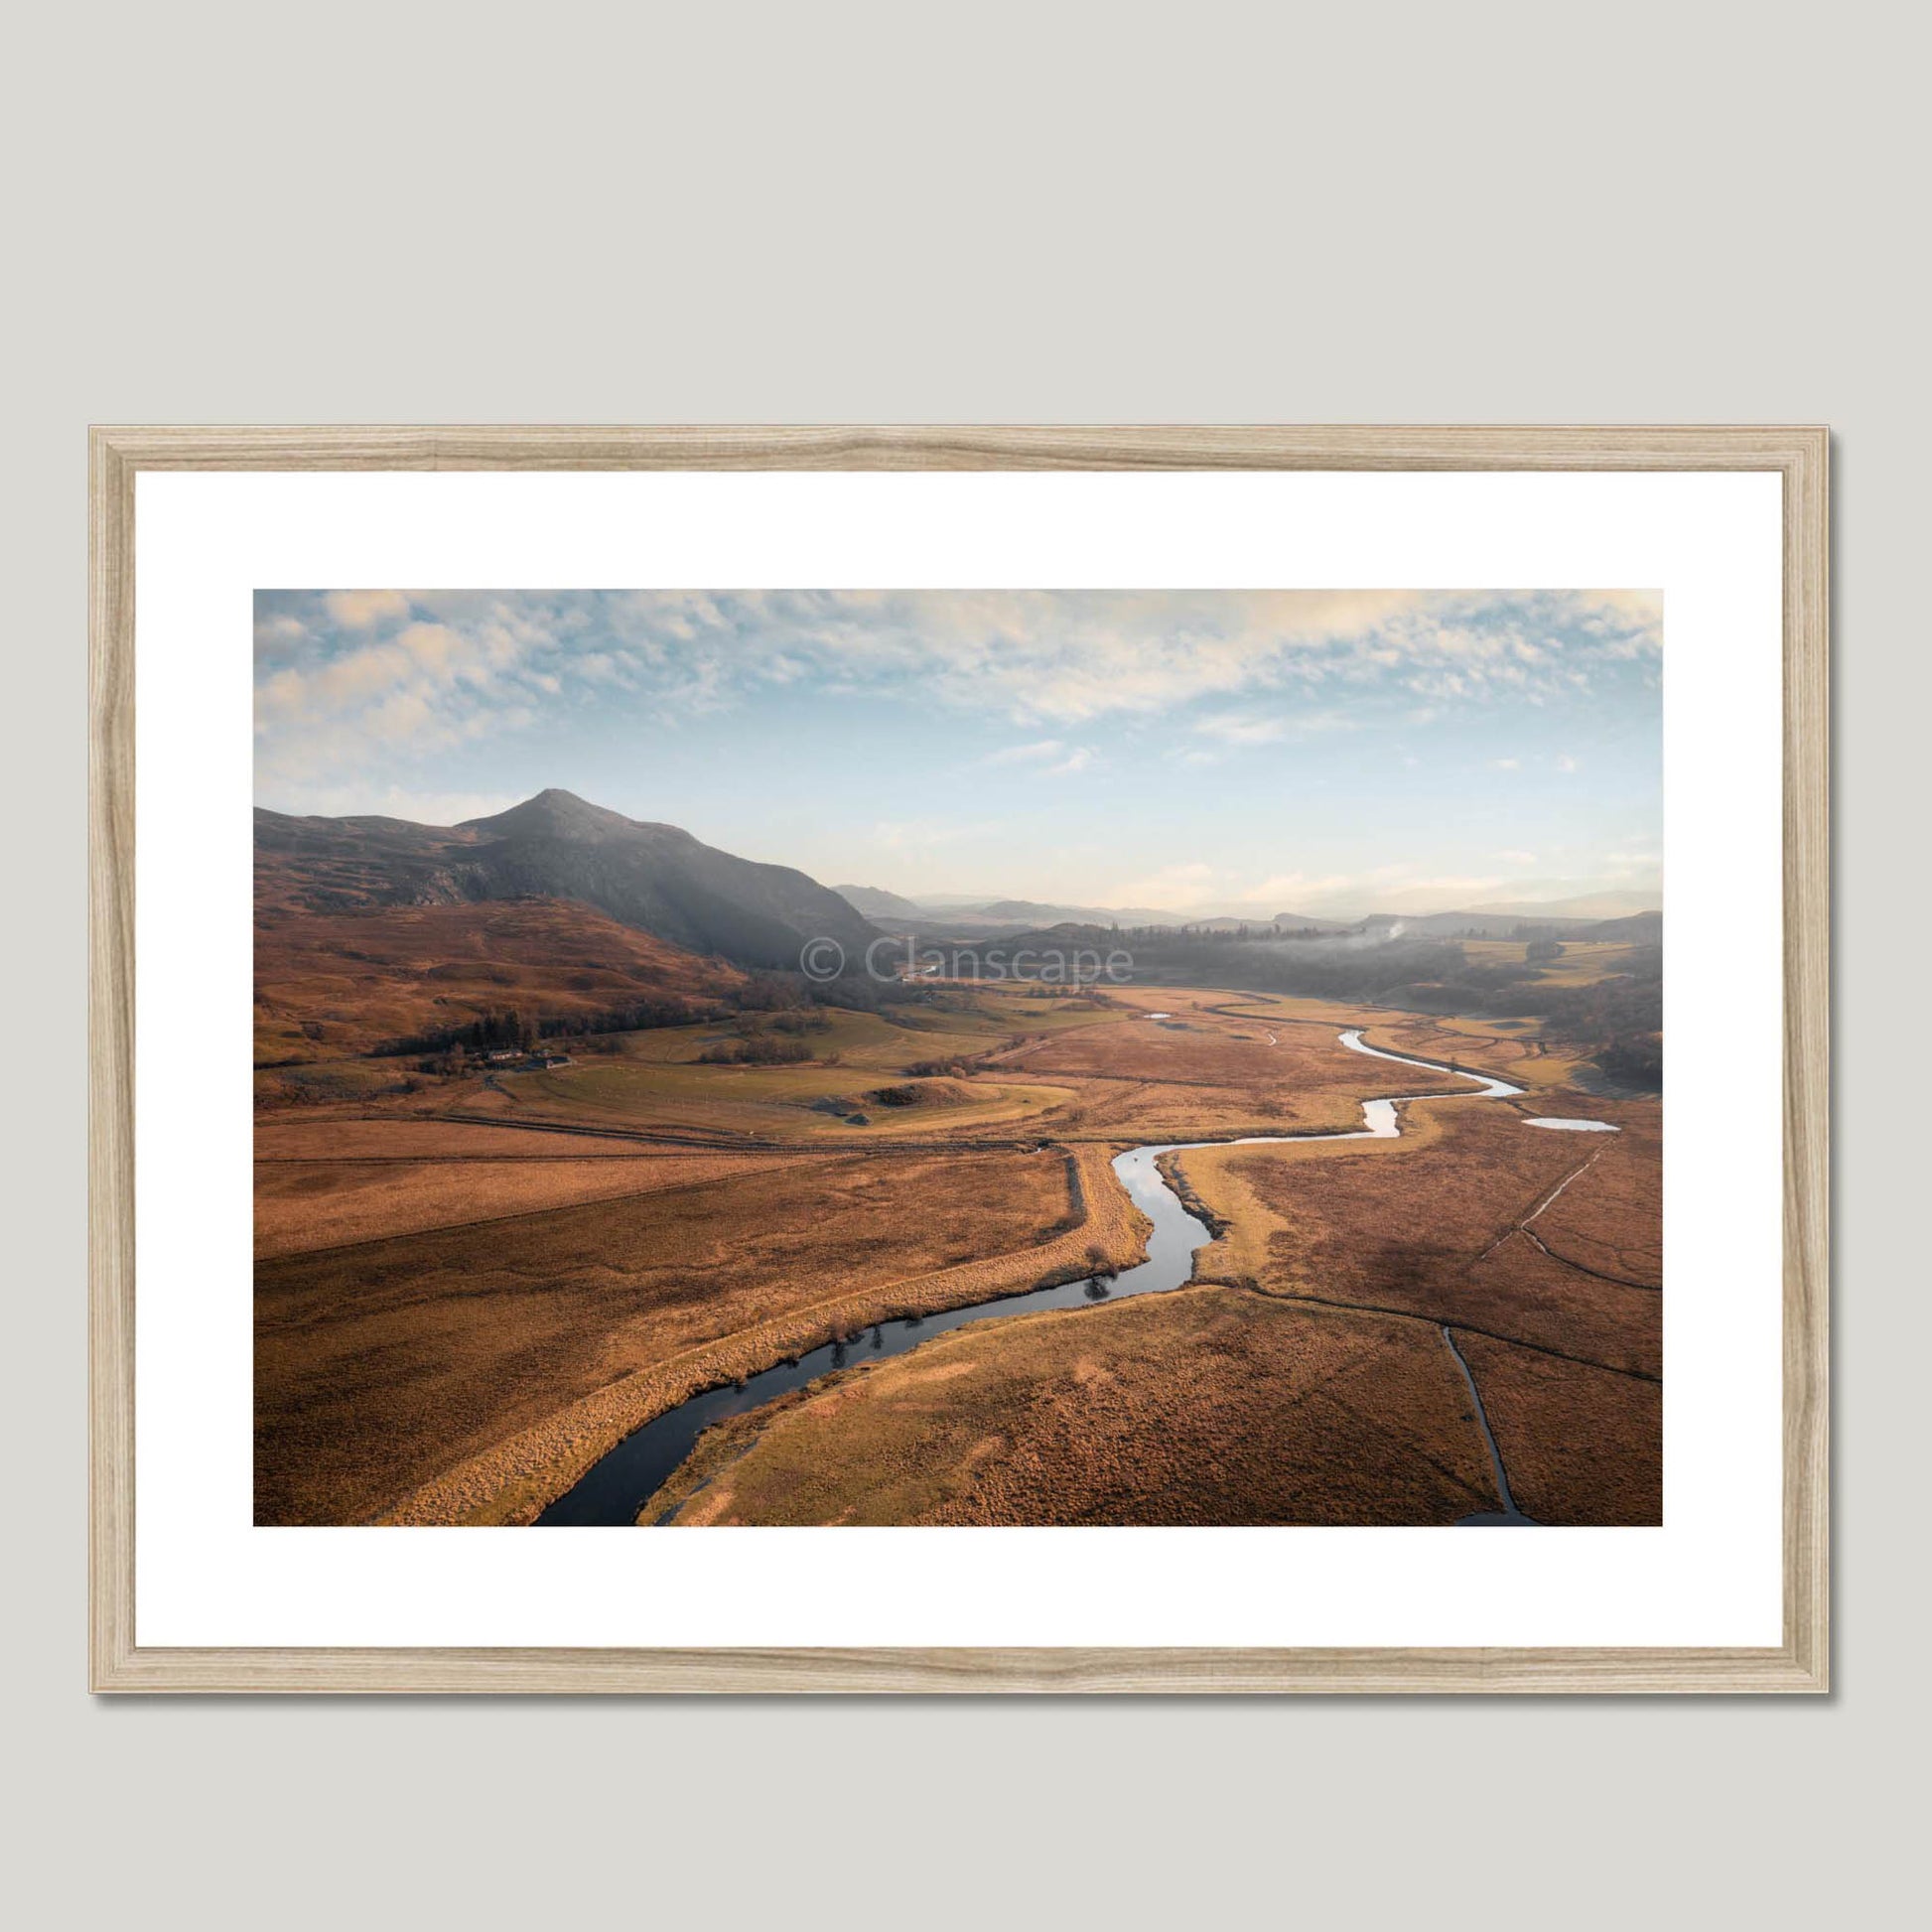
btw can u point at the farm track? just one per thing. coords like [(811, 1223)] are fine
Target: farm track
[(746, 1144), (1523, 1228)]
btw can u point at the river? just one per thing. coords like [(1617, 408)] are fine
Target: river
[(615, 1487)]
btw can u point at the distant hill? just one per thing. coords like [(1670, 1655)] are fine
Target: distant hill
[(655, 877), (1308, 922), (873, 902), (1020, 913), (1445, 925), (1587, 905), (1644, 928)]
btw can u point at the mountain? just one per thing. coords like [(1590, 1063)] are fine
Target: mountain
[(656, 877), (1444, 925), (873, 902), (1643, 927), (1308, 922), (1028, 912), (1587, 905)]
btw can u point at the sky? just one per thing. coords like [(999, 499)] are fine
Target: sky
[(1246, 751)]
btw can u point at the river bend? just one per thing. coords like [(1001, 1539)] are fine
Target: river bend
[(615, 1487)]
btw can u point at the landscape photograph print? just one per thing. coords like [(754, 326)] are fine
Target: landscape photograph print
[(958, 1057)]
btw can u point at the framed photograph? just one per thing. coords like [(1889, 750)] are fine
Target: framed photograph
[(1055, 1037)]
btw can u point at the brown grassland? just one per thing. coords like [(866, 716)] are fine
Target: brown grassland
[(385, 1366), (1203, 1405), (305, 1206), (1581, 1445), (1449, 1223), (1306, 1380), (468, 1287)]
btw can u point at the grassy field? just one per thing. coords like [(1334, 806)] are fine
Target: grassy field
[(381, 1365), (1584, 961), (1449, 1222), (1582, 1445), (1205, 1406), (468, 1288), (1306, 1379), (774, 1102), (302, 1206)]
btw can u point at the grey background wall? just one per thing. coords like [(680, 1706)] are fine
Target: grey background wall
[(1000, 212)]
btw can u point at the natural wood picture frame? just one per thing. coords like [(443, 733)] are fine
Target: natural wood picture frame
[(1799, 455)]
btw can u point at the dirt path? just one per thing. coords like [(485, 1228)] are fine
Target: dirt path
[(1529, 1234)]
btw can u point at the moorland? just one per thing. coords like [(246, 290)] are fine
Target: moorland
[(553, 1135)]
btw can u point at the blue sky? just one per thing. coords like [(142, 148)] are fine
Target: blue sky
[(1196, 751)]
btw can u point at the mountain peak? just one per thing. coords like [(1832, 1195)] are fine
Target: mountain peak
[(557, 846), (553, 813)]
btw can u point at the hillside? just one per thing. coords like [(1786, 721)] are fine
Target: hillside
[(656, 877), (874, 902), (332, 985)]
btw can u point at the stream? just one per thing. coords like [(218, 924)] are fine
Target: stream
[(615, 1487)]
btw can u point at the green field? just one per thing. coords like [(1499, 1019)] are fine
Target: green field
[(1583, 961)]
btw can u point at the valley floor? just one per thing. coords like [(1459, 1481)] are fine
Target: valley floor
[(469, 1291)]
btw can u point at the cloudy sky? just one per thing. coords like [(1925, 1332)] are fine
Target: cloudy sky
[(1237, 751)]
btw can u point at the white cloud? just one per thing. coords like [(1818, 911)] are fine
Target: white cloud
[(1565, 762), (362, 610), (347, 678), (1505, 764), (279, 634)]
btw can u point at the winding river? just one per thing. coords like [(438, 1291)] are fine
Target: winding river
[(615, 1487)]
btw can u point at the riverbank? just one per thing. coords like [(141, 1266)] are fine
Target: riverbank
[(511, 1482), (611, 1491)]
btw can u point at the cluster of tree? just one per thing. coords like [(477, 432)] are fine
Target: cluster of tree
[(494, 1031), (636, 1016), (1618, 1019), (1347, 969), (794, 1002), (1635, 1060), (759, 1049), (957, 1066), (809, 1021)]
